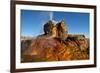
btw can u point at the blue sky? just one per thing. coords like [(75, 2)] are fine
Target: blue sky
[(32, 21)]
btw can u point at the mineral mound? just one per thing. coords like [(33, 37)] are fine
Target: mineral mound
[(54, 45)]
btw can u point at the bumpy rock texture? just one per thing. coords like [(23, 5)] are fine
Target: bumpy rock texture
[(52, 47)]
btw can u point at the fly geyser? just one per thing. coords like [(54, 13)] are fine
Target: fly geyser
[(56, 44)]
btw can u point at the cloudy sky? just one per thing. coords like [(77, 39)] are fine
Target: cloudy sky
[(32, 21)]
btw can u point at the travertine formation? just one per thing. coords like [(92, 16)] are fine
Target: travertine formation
[(55, 45), (56, 30)]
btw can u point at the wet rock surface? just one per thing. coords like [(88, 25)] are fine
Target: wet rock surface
[(53, 49)]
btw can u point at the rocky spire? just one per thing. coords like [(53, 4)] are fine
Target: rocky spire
[(48, 27), (57, 30), (61, 29)]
